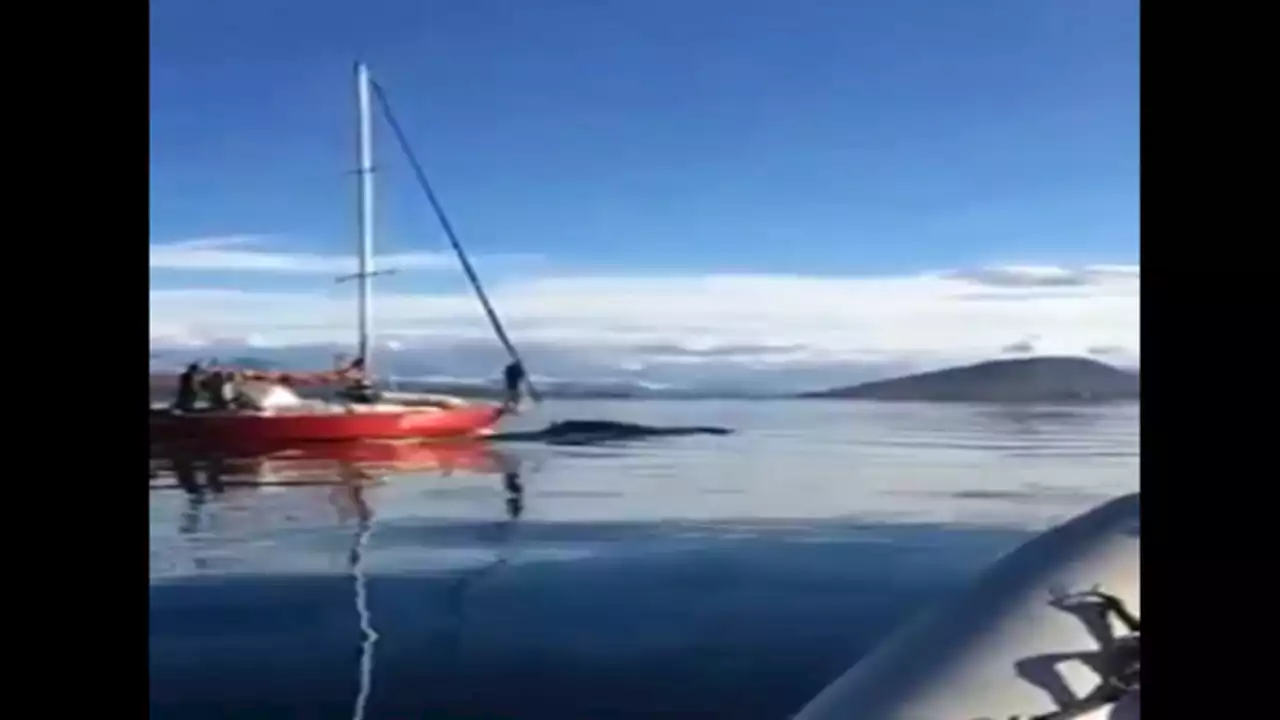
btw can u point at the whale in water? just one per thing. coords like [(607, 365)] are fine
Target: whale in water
[(585, 432)]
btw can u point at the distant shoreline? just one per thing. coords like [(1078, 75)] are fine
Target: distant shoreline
[(1025, 380), (164, 392), (1068, 380)]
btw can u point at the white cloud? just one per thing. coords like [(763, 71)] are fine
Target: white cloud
[(762, 321), (237, 253)]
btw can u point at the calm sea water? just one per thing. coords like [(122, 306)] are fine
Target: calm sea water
[(700, 577)]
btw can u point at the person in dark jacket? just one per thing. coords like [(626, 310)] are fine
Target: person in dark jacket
[(512, 377), (214, 385), (188, 388)]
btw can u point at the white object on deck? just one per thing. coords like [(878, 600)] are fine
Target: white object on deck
[(1006, 648), (261, 395)]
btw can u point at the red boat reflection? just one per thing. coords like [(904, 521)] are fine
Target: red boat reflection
[(324, 463)]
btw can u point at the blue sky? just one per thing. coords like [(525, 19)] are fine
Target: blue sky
[(640, 144)]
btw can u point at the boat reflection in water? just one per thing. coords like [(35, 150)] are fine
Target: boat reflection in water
[(346, 467), (323, 463), (349, 469)]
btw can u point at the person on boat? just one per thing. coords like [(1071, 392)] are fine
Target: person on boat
[(215, 387), (359, 389), (355, 369), (188, 388), (513, 376), (231, 383)]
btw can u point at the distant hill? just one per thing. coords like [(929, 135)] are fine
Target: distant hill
[(1042, 379)]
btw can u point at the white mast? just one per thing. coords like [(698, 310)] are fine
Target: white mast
[(365, 270)]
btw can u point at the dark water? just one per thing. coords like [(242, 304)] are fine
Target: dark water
[(703, 577)]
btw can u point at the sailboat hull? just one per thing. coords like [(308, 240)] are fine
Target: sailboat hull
[(352, 423)]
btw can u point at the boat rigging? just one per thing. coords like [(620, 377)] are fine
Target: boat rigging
[(425, 184)]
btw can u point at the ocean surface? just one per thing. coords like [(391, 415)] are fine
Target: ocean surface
[(697, 577)]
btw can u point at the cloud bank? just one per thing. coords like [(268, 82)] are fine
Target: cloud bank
[(673, 326), (240, 254)]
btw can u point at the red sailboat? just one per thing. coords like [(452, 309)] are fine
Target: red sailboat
[(269, 412), (266, 409)]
